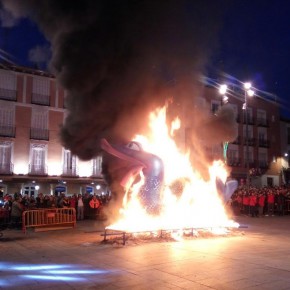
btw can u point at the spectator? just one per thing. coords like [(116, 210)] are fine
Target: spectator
[(16, 212), (80, 208)]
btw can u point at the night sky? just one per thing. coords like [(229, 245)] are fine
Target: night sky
[(252, 43)]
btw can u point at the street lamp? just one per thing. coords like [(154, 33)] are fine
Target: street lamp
[(248, 92)]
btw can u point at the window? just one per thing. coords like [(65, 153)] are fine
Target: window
[(250, 132), (248, 115), (39, 124), (37, 164), (7, 85), (97, 166), (69, 163), (263, 158), (7, 119), (6, 157), (248, 158), (261, 117), (262, 136), (29, 190), (233, 155), (215, 106), (41, 91)]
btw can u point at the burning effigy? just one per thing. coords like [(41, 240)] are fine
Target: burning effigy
[(117, 62), (162, 189)]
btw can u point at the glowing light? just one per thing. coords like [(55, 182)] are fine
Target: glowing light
[(84, 168), (198, 206), (250, 93), (20, 168), (223, 89), (73, 272), (247, 85), (37, 187), (54, 278), (54, 168)]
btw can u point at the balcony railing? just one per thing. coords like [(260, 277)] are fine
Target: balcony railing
[(250, 121), (6, 168), (7, 131), (234, 162), (8, 95), (262, 122), (40, 99), (36, 169), (263, 164), (249, 141), (264, 143), (69, 171), (39, 134)]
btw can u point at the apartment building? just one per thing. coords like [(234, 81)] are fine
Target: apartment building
[(257, 148), (32, 160), (285, 149)]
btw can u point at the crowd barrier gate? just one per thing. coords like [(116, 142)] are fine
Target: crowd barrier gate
[(46, 218)]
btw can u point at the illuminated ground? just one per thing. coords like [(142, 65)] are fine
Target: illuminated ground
[(256, 258)]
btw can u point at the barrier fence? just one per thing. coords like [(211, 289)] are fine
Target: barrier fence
[(48, 218)]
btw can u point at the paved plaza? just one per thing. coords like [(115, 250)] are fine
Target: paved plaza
[(255, 257)]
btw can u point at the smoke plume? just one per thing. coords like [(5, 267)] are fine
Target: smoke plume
[(118, 60)]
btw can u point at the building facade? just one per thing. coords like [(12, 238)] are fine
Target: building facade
[(32, 160), (255, 153)]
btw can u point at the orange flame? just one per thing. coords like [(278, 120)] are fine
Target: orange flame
[(199, 205)]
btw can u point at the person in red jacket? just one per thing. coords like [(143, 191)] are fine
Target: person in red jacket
[(95, 206), (246, 201), (253, 205), (261, 204), (271, 201)]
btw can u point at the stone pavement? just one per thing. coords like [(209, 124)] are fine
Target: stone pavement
[(255, 257)]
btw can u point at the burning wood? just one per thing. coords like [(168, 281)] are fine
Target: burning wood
[(170, 194)]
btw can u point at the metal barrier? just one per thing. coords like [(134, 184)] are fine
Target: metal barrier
[(46, 218)]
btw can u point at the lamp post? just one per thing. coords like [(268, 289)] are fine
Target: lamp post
[(250, 93), (225, 144)]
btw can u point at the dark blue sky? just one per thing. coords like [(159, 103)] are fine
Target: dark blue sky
[(253, 44)]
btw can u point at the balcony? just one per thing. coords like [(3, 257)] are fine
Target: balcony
[(71, 171), (251, 120), (39, 134), (234, 162), (6, 168), (249, 141), (263, 143), (40, 99), (8, 95), (263, 164), (36, 169), (262, 122), (7, 131)]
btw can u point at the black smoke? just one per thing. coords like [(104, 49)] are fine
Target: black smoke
[(118, 60)]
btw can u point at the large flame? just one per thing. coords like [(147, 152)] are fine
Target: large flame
[(198, 206)]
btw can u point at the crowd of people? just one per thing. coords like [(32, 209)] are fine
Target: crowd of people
[(264, 201), (87, 206), (250, 201)]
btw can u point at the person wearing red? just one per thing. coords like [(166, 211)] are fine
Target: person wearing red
[(271, 201), (246, 201), (253, 205), (94, 205), (261, 204)]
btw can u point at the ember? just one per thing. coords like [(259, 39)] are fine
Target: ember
[(183, 198)]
